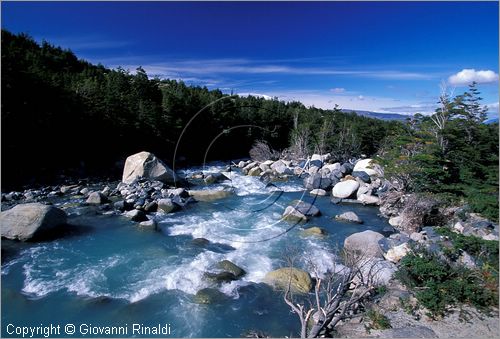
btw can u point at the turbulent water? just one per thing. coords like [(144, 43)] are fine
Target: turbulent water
[(113, 273)]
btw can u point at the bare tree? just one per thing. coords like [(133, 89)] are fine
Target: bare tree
[(261, 151), (442, 115), (336, 294)]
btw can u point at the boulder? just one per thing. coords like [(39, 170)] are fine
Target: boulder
[(307, 209), (167, 205), (368, 199), (313, 231), (281, 168), (231, 267), (292, 215), (200, 242), (214, 178), (209, 195), (370, 167), (299, 281), (256, 171), (96, 198), (365, 243), (396, 253), (362, 175), (146, 165), (148, 224), (345, 189), (395, 221), (381, 270), (317, 181), (136, 215), (349, 217), (318, 192), (220, 277), (209, 296), (26, 221)]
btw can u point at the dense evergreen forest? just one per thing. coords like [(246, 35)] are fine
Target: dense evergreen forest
[(63, 115)]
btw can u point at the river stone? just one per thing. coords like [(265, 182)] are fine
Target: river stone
[(349, 217), (300, 281), (209, 195), (292, 215), (146, 165), (307, 209), (345, 189), (256, 171), (370, 167), (365, 243), (313, 231), (209, 296), (136, 215), (281, 168), (317, 181), (220, 277), (368, 199), (396, 253), (230, 267), (166, 205), (148, 224), (200, 241), (362, 175), (318, 192), (97, 198), (26, 221)]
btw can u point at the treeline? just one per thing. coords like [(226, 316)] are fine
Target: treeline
[(63, 115)]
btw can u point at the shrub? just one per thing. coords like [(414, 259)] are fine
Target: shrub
[(378, 320), (261, 151), (439, 284)]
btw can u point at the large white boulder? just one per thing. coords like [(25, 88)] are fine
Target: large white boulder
[(345, 189), (146, 165), (370, 167), (365, 244), (25, 221)]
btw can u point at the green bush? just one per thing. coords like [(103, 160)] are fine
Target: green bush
[(439, 284), (378, 320), (484, 251)]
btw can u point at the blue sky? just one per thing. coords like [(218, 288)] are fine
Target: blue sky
[(380, 56)]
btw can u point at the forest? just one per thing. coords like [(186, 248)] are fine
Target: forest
[(65, 117)]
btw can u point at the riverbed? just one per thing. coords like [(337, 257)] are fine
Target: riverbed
[(114, 273)]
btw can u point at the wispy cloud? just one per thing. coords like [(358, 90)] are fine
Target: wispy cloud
[(87, 43), (247, 66)]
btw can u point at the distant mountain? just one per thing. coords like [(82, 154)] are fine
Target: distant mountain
[(381, 116), (491, 121)]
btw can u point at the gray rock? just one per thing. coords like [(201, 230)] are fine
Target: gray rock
[(365, 243), (26, 221), (349, 217), (97, 198), (318, 192), (370, 167), (148, 224), (200, 242), (231, 267), (146, 165), (136, 215), (281, 168), (410, 332), (362, 175), (292, 215), (307, 209), (220, 277), (317, 181), (151, 207), (345, 189), (167, 205)]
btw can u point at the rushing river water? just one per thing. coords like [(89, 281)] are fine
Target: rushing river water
[(114, 273)]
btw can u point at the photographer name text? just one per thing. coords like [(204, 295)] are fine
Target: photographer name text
[(49, 330)]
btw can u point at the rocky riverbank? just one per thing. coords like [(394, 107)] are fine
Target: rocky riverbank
[(150, 189)]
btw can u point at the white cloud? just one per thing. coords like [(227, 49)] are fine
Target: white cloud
[(467, 76), (338, 90), (360, 97)]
